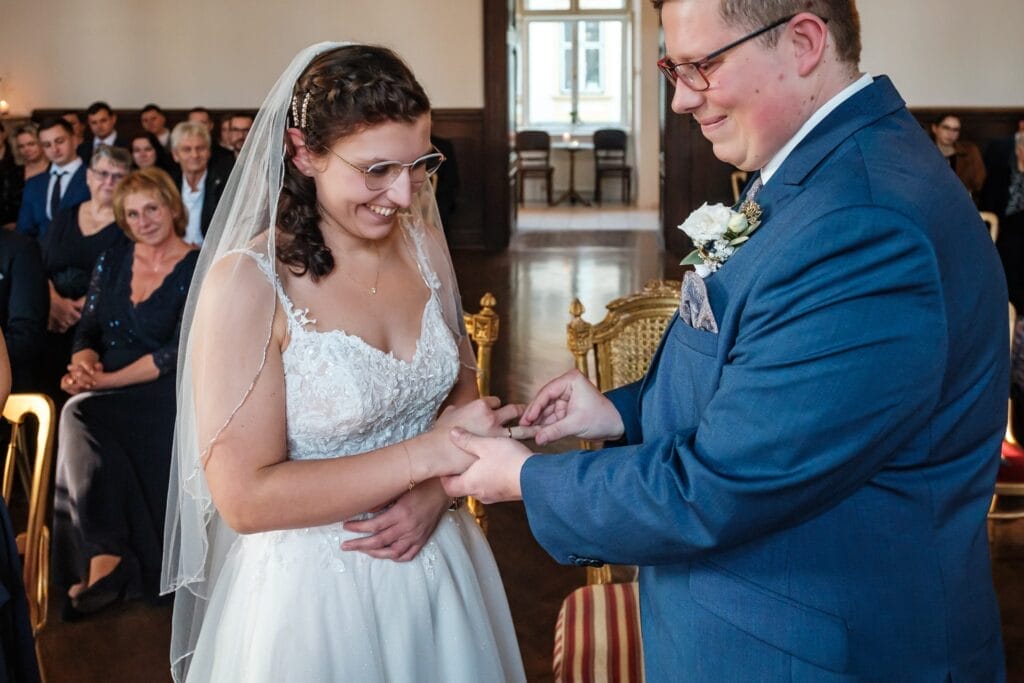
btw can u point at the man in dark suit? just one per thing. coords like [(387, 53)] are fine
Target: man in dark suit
[(201, 184), (102, 124), (804, 474), (63, 185), (24, 305), (153, 120)]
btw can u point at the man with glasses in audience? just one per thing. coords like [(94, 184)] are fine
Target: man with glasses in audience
[(240, 125), (63, 185), (201, 183), (804, 474)]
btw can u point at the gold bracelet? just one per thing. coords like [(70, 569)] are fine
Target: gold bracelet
[(408, 459)]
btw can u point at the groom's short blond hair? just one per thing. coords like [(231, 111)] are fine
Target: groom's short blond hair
[(841, 15)]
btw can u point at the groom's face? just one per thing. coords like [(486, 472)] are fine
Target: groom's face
[(749, 109)]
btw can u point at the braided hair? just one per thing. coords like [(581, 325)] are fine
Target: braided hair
[(341, 92)]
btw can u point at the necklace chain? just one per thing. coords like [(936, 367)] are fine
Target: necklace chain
[(376, 278)]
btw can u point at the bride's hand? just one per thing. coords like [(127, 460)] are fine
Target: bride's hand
[(401, 531), (482, 417)]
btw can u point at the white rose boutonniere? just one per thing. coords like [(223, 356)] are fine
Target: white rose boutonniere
[(717, 232)]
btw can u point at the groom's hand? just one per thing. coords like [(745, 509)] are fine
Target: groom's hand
[(570, 405), (401, 531), (494, 476)]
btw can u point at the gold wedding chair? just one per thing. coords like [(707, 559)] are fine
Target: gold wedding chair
[(482, 328), (737, 178), (597, 634), (33, 467), (992, 221), (1012, 452)]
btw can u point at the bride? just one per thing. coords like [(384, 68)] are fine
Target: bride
[(308, 537)]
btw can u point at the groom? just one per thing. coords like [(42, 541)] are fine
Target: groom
[(805, 488)]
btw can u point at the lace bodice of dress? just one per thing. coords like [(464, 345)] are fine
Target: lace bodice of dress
[(346, 397)]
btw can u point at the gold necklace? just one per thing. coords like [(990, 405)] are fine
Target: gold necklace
[(376, 278)]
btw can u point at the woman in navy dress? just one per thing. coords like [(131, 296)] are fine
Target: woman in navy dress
[(116, 431)]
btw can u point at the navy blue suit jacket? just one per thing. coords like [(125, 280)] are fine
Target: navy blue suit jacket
[(806, 490), (32, 220)]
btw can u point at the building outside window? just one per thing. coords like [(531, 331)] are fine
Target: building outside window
[(574, 74)]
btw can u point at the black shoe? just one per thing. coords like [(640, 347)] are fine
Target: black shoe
[(115, 586)]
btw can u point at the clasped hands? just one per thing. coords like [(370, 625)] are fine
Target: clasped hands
[(488, 456), (478, 453), (84, 375)]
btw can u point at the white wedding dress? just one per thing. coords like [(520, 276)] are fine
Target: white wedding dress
[(292, 606)]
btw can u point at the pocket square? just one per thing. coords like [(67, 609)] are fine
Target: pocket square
[(694, 307)]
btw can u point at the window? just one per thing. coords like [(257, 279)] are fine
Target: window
[(576, 64)]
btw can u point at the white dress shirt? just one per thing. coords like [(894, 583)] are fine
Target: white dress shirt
[(109, 140), (817, 117), (194, 203)]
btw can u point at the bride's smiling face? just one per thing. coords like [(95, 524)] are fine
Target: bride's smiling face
[(341, 190)]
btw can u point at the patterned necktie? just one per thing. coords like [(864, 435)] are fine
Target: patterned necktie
[(754, 188), (55, 194)]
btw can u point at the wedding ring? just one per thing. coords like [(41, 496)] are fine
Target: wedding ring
[(509, 432)]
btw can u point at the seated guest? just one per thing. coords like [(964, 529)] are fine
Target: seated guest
[(26, 141), (12, 181), (240, 125), (116, 431), (1010, 209), (147, 151), (224, 139), (219, 155), (154, 121), (201, 184), (17, 647), (77, 122), (74, 242), (23, 305), (62, 187), (102, 124), (964, 157)]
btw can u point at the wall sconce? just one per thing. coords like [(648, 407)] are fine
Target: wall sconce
[(4, 106)]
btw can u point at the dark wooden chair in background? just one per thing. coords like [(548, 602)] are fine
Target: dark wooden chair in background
[(533, 159), (610, 160)]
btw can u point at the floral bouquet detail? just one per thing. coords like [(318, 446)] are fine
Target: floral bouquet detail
[(717, 232)]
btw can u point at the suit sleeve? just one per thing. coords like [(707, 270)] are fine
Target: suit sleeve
[(626, 400), (27, 224), (29, 305), (838, 359)]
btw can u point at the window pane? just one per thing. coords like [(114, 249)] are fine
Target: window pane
[(548, 68), (602, 88), (600, 4), (550, 4)]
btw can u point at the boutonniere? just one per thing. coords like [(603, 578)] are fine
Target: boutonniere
[(717, 232)]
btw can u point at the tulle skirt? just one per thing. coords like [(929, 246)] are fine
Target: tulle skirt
[(293, 606)]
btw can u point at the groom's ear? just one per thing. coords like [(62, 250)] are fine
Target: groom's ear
[(301, 156)]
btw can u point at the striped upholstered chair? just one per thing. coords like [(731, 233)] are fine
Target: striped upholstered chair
[(597, 636)]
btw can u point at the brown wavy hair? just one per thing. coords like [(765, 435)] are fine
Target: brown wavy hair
[(350, 88)]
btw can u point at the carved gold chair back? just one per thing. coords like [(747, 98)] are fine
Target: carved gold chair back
[(618, 350), (482, 328), (33, 466), (738, 179)]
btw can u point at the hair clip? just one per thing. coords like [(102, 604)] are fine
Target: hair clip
[(295, 110), (305, 103)]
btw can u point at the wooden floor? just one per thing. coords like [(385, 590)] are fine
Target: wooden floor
[(534, 282)]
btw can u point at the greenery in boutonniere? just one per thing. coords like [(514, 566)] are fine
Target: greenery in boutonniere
[(717, 231)]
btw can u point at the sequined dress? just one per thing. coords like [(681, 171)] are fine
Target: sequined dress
[(292, 606)]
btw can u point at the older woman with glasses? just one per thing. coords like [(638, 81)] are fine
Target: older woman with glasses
[(116, 431), (76, 238)]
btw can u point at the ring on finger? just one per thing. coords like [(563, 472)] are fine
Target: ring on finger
[(509, 432)]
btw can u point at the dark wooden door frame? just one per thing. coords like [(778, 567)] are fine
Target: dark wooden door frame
[(497, 228)]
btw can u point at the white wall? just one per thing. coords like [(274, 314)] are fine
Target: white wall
[(947, 52), (219, 53)]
